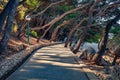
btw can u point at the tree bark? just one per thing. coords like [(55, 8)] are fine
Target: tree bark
[(43, 34), (102, 46), (5, 12), (8, 27), (72, 31), (54, 34), (21, 29), (81, 40), (69, 36)]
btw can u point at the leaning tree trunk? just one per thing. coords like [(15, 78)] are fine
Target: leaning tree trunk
[(102, 46), (21, 30), (79, 43), (82, 37), (54, 34), (8, 27), (5, 12), (72, 31), (69, 36), (42, 34)]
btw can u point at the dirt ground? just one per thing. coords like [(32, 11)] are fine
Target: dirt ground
[(15, 45)]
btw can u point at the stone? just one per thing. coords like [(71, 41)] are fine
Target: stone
[(7, 64), (87, 53)]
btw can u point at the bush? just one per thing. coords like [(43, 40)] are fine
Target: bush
[(14, 28), (34, 34)]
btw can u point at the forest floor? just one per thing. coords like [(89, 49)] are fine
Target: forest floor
[(106, 71), (15, 45)]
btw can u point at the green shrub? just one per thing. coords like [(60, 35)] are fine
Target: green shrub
[(34, 34), (32, 3), (14, 28)]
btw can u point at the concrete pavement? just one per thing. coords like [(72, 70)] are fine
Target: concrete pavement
[(50, 63)]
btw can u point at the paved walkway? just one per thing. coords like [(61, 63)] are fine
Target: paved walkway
[(50, 63)]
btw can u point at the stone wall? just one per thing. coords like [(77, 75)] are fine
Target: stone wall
[(11, 62)]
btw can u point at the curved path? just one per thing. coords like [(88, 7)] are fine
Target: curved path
[(50, 63)]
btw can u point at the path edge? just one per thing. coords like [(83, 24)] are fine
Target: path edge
[(19, 63), (90, 76)]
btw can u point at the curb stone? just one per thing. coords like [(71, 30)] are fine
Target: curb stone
[(10, 65)]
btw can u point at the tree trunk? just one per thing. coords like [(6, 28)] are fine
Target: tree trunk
[(81, 40), (54, 34), (43, 35), (21, 29), (73, 30), (5, 12), (69, 36), (43, 22), (71, 41), (8, 27), (102, 46)]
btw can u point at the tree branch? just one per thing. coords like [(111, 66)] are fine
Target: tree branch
[(60, 17), (52, 4)]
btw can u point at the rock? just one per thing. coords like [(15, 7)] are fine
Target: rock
[(106, 70), (7, 64), (87, 53), (115, 72)]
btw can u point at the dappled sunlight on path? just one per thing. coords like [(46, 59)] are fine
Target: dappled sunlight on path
[(50, 63)]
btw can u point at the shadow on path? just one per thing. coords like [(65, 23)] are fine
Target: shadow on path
[(50, 63)]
